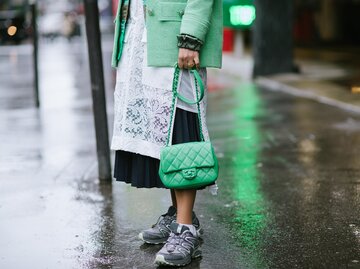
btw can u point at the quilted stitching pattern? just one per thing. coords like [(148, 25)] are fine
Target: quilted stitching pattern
[(199, 155), (186, 155)]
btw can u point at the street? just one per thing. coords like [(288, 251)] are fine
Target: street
[(289, 184)]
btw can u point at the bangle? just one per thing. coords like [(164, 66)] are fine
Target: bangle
[(189, 42)]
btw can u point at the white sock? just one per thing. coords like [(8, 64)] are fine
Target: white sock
[(191, 227)]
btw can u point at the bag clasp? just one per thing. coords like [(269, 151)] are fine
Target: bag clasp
[(189, 173)]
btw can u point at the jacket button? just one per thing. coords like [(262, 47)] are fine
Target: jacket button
[(151, 12), (181, 13)]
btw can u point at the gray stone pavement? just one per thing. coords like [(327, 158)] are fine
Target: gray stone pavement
[(327, 75), (289, 176)]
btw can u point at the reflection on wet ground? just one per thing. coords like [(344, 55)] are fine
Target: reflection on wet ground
[(293, 173), (289, 177)]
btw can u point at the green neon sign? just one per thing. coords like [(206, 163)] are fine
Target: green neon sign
[(242, 15)]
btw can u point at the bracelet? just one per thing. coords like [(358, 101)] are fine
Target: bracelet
[(189, 42)]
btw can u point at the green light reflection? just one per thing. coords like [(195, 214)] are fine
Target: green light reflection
[(251, 214)]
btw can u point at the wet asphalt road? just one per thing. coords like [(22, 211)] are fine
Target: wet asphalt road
[(289, 181)]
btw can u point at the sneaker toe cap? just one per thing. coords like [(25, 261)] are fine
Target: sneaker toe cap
[(171, 259), (151, 234)]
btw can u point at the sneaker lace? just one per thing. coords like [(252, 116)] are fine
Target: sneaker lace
[(176, 240), (173, 241), (186, 243)]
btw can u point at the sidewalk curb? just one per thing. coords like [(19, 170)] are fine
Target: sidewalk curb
[(274, 85)]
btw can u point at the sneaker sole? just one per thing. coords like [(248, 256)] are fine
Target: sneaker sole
[(152, 242), (160, 259)]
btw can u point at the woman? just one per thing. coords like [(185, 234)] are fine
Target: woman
[(149, 40)]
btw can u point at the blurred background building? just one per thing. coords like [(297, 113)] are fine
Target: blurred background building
[(327, 22), (314, 22), (56, 19), (14, 21)]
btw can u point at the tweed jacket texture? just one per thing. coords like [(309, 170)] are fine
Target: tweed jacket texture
[(165, 20)]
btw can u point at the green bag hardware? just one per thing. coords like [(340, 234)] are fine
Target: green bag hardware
[(188, 165)]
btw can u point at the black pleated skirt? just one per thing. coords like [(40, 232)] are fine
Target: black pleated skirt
[(142, 171)]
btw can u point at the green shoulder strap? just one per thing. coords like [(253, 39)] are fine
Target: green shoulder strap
[(201, 86)]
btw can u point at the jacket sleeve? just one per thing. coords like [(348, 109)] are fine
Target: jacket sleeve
[(196, 19)]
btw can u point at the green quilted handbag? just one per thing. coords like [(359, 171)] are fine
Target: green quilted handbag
[(188, 165)]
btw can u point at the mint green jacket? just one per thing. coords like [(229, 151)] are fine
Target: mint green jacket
[(165, 19)]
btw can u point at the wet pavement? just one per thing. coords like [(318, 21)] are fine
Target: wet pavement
[(328, 75), (289, 176)]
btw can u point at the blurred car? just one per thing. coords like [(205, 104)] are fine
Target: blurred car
[(14, 26), (51, 25), (55, 24)]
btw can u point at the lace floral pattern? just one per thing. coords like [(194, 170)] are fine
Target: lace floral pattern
[(143, 95)]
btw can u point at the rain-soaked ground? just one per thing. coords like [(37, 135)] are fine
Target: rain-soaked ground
[(289, 181)]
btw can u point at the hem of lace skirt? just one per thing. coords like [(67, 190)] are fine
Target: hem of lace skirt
[(136, 146)]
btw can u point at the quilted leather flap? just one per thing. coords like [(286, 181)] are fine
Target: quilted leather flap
[(187, 155)]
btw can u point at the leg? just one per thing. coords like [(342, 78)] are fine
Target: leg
[(173, 198), (185, 203), (183, 244)]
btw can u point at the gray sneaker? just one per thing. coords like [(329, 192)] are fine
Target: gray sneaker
[(181, 247), (160, 231)]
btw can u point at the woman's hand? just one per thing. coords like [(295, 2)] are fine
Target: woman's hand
[(188, 59)]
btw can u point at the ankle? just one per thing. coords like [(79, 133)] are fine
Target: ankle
[(191, 228)]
